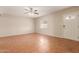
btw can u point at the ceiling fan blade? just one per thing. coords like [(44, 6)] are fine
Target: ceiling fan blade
[(26, 12), (26, 9), (31, 9), (36, 13)]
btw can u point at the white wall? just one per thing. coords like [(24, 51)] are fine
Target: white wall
[(10, 25), (56, 22), (53, 27)]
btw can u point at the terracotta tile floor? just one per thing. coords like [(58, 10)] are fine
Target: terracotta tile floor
[(37, 43)]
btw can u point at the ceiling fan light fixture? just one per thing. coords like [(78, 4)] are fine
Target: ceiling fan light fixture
[(31, 11)]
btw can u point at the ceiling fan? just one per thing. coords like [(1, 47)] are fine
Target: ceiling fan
[(31, 11)]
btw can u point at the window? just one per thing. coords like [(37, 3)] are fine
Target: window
[(43, 24)]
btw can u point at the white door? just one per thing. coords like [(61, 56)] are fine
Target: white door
[(69, 26)]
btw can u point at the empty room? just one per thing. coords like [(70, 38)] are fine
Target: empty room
[(39, 29)]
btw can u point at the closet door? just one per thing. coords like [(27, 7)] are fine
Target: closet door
[(69, 27)]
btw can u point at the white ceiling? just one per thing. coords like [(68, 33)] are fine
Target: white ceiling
[(19, 10)]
